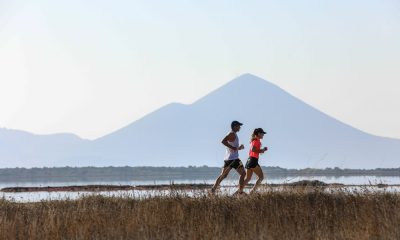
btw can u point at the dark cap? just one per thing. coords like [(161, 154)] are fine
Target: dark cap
[(236, 123), (259, 130)]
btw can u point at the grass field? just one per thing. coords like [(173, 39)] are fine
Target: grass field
[(284, 214)]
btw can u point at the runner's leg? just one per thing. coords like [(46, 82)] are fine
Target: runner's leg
[(222, 176), (242, 174), (249, 174), (258, 171)]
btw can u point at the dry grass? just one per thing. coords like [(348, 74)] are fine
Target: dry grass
[(285, 214)]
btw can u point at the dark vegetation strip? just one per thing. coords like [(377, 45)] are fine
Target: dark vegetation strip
[(189, 187), (167, 173)]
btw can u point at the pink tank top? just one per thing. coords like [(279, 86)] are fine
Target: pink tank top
[(256, 143)]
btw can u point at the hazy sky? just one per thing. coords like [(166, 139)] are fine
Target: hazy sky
[(91, 67)]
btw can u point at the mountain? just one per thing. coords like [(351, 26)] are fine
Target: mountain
[(23, 149), (298, 135)]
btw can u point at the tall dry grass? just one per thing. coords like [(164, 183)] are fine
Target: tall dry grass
[(284, 214)]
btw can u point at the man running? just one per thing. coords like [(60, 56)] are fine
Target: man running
[(231, 142)]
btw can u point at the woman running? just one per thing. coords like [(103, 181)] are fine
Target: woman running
[(252, 163)]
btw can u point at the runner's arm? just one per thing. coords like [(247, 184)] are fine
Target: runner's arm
[(256, 150), (230, 137)]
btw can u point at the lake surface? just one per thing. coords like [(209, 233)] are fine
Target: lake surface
[(348, 180), (228, 187)]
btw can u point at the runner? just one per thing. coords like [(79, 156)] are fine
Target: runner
[(231, 142), (252, 163)]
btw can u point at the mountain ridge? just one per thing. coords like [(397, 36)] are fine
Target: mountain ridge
[(177, 134)]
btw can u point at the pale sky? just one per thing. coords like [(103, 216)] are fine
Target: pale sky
[(91, 67)]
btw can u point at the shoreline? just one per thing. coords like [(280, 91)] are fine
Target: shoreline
[(101, 188)]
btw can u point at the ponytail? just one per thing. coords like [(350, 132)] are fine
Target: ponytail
[(253, 137)]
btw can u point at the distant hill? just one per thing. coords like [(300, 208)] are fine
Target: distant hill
[(23, 149), (299, 135)]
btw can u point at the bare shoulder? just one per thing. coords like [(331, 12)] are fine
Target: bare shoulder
[(231, 137)]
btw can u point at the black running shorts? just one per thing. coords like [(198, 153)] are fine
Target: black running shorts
[(252, 162), (233, 163)]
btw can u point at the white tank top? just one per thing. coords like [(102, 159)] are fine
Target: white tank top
[(230, 153)]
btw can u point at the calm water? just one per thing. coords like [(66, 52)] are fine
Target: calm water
[(226, 189), (356, 180)]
